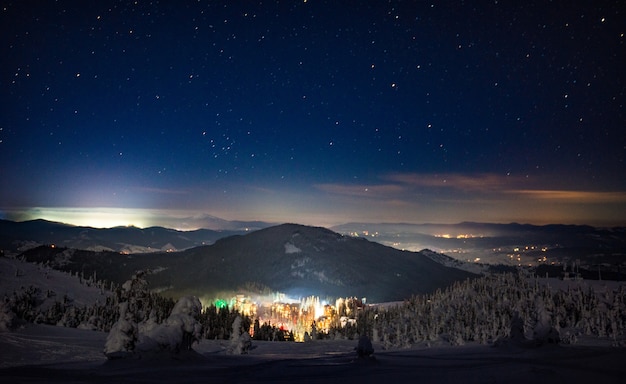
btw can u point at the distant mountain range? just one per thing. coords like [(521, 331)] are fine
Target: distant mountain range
[(294, 259), (511, 244), (353, 259), (18, 236), (215, 223)]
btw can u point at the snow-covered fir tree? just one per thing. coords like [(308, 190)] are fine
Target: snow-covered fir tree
[(486, 309), (177, 333), (240, 340)]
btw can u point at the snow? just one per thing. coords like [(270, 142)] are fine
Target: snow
[(47, 344), (43, 354), (290, 248), (131, 339), (121, 339), (240, 342), (16, 275), (178, 331)]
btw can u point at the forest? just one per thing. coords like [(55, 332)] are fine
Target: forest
[(507, 307)]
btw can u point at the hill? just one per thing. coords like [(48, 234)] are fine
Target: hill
[(294, 259)]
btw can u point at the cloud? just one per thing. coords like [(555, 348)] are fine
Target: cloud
[(573, 196), (486, 182), (483, 187), (412, 184)]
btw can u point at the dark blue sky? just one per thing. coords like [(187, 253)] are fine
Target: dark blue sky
[(316, 112)]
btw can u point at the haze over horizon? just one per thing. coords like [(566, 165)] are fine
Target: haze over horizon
[(103, 218), (313, 112)]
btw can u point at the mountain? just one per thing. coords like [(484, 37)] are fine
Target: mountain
[(511, 244), (15, 236), (293, 259), (218, 224)]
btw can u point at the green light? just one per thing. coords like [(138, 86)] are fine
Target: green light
[(219, 304)]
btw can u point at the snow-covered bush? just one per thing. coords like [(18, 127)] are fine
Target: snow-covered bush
[(179, 331), (240, 340), (543, 331), (138, 328), (124, 333), (123, 336), (135, 292)]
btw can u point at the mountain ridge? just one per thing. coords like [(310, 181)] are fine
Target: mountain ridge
[(294, 259), (14, 236)]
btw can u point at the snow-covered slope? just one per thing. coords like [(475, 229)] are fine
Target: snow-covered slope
[(16, 275)]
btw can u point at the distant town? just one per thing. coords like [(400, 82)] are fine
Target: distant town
[(520, 255), (300, 319)]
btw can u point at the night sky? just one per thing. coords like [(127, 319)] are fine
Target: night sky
[(315, 112)]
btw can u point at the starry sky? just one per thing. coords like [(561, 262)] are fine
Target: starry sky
[(315, 112)]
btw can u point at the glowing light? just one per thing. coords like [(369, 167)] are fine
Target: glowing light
[(91, 217)]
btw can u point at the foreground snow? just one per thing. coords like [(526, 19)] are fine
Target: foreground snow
[(38, 354)]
